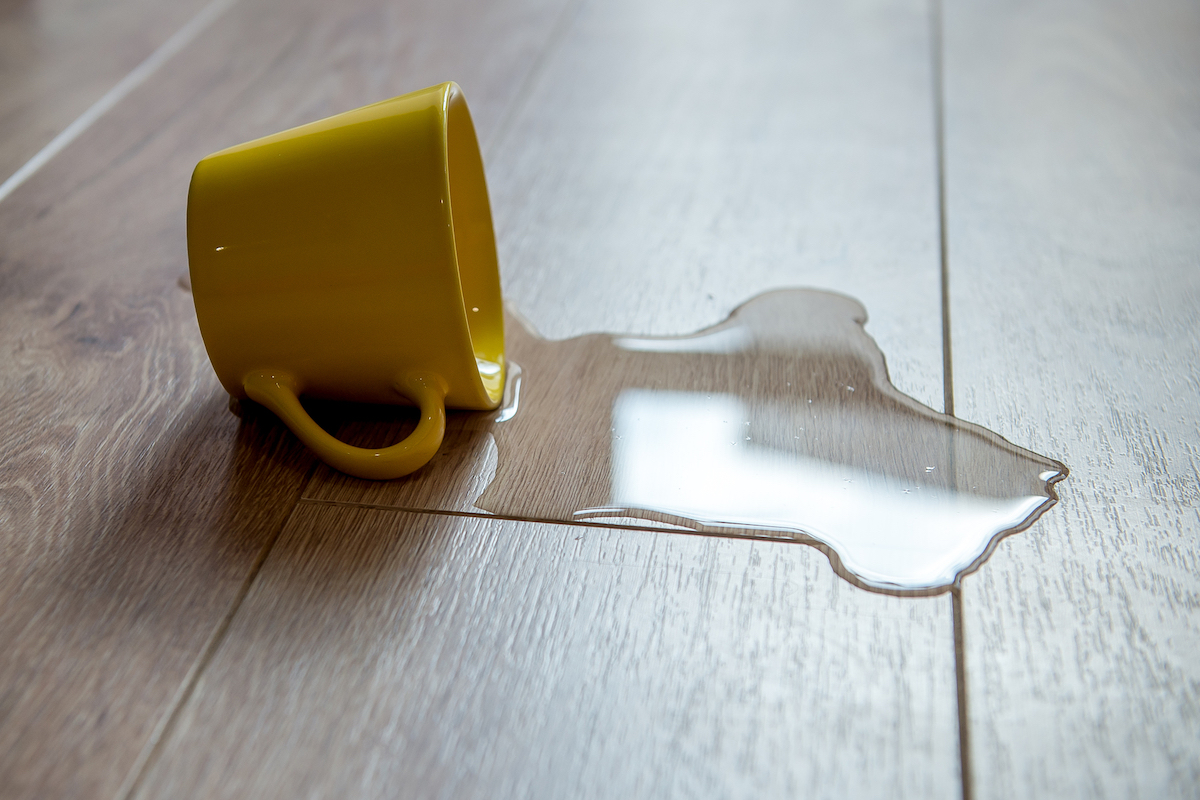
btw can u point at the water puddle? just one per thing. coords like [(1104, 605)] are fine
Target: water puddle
[(778, 422)]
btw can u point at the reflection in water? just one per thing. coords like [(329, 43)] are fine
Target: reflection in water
[(780, 421), (689, 456)]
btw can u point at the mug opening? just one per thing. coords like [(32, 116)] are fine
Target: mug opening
[(475, 244)]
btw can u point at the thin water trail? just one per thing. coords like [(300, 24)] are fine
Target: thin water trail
[(780, 421)]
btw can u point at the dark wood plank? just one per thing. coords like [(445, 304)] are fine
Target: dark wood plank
[(57, 57), (1073, 146), (624, 198), (671, 163), (383, 652), (133, 505), (778, 423)]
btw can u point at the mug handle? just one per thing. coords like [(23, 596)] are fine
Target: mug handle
[(278, 392)]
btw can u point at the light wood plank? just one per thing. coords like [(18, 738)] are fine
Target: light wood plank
[(1073, 147), (133, 505), (384, 653), (57, 57)]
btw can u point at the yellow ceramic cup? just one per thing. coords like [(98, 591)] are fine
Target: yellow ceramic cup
[(353, 259)]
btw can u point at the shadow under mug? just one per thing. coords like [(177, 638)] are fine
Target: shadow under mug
[(353, 259)]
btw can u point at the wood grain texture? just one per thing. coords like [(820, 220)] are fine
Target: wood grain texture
[(57, 57), (383, 653), (673, 160), (778, 423), (1073, 151), (133, 505)]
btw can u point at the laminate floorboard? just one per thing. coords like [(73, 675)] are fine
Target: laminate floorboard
[(669, 162), (57, 57), (672, 161), (1073, 164), (383, 653), (133, 506)]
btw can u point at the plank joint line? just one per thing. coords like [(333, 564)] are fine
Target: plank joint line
[(172, 46), (183, 694), (939, 135), (956, 602)]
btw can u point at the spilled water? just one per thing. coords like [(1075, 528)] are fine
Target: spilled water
[(780, 421)]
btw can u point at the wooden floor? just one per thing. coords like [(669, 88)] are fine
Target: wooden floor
[(190, 606)]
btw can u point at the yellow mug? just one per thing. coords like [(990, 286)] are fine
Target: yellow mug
[(353, 259)]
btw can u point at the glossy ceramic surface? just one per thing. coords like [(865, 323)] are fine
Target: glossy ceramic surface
[(353, 258)]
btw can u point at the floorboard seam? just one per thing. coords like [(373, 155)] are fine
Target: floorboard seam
[(593, 522), (154, 745), (136, 77), (585, 523), (956, 601), (939, 131), (960, 677), (183, 694)]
